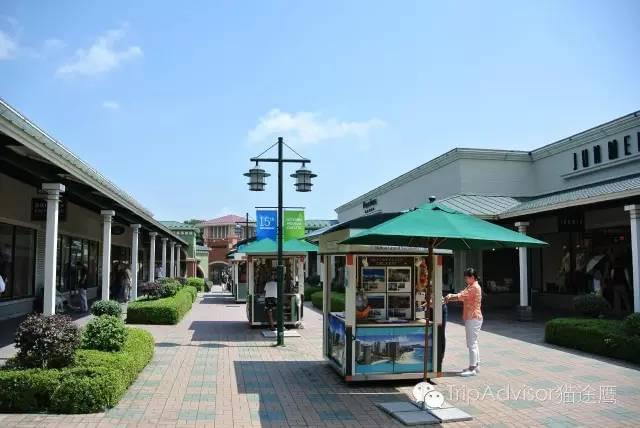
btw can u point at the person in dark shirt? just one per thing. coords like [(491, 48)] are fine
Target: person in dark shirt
[(441, 334)]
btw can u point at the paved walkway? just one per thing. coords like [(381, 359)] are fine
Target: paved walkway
[(212, 370)]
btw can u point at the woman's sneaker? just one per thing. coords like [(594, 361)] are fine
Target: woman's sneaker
[(468, 372)]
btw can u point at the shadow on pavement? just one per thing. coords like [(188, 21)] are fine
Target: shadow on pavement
[(320, 396)]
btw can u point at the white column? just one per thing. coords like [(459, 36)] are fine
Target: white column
[(178, 273), (524, 311), (51, 245), (164, 256), (135, 232), (350, 302), (634, 213), (172, 274), (107, 215), (152, 256)]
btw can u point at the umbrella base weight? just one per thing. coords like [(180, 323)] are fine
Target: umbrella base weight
[(525, 313)]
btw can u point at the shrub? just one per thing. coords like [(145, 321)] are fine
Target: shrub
[(168, 310), (337, 301), (182, 281), (309, 291), (151, 290), (106, 333), (590, 305), (46, 341), (164, 287), (168, 289), (193, 291), (313, 281), (598, 336), (632, 324), (95, 382), (106, 307), (27, 390), (198, 283)]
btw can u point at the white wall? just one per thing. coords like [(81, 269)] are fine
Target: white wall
[(439, 183)]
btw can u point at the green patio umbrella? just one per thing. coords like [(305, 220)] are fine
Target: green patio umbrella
[(437, 226), (434, 225)]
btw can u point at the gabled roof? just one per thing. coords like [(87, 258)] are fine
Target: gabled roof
[(176, 225), (230, 219), (605, 191), (363, 222), (312, 224), (484, 206)]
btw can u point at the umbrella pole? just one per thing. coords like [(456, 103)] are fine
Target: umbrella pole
[(427, 310)]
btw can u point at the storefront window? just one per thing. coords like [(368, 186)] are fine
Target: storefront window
[(23, 262), (17, 260), (75, 256)]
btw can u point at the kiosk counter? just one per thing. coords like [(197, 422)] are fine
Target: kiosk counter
[(380, 333), (261, 262)]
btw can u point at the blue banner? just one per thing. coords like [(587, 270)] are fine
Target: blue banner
[(266, 224)]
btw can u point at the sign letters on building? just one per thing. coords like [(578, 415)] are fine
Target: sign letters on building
[(370, 205), (614, 149), (39, 209)]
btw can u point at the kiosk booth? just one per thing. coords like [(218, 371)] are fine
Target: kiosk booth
[(380, 334), (239, 283), (262, 260)]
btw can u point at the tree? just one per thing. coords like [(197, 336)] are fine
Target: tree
[(199, 237)]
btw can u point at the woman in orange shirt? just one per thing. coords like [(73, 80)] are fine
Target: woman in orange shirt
[(471, 297)]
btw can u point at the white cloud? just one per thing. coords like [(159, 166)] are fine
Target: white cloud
[(111, 105), (8, 46), (102, 56), (53, 44), (309, 128)]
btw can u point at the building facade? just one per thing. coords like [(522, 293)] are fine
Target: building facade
[(220, 235), (64, 226), (192, 263), (580, 194)]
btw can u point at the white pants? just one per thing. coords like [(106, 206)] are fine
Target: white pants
[(472, 329), (83, 300)]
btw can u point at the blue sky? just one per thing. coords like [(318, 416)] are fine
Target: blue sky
[(170, 102)]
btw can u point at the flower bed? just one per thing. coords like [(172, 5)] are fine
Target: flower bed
[(167, 310), (598, 336), (97, 380)]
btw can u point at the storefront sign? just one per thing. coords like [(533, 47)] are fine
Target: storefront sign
[(39, 209), (370, 205), (266, 224), (293, 224), (389, 261), (613, 149), (571, 222)]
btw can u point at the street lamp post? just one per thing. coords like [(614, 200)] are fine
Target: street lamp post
[(256, 183)]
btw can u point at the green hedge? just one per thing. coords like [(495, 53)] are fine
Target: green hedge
[(168, 310), (310, 290), (96, 381), (337, 301), (597, 336), (198, 283)]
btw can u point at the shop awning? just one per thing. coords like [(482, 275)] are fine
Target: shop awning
[(268, 246)]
